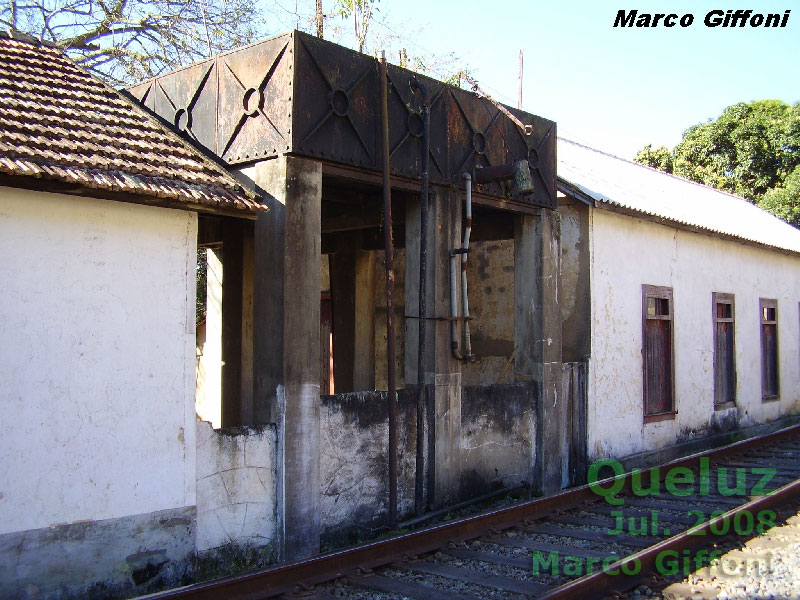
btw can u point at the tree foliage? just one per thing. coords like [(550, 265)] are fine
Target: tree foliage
[(362, 12), (659, 158), (784, 201), (125, 41), (750, 150)]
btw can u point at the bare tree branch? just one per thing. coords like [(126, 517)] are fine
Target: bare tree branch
[(100, 34)]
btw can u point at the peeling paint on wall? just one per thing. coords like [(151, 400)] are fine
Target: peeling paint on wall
[(490, 273)]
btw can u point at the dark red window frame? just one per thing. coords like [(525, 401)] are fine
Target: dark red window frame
[(658, 355)]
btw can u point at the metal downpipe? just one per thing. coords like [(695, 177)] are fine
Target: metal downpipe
[(419, 476), (454, 304), (464, 298), (387, 238)]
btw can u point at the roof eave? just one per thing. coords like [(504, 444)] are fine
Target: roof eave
[(616, 208), (58, 186)]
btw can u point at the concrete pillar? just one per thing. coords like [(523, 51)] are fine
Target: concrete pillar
[(537, 338), (442, 370), (413, 238), (286, 372), (353, 296)]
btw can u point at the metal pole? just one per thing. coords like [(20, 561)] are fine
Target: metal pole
[(519, 91), (387, 238), (465, 246), (419, 479)]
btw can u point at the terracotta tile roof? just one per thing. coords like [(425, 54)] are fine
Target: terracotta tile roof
[(59, 124)]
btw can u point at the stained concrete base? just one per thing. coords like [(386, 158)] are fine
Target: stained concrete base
[(112, 558), (701, 444)]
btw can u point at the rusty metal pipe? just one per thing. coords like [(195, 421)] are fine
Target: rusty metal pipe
[(454, 306), (387, 238), (419, 476)]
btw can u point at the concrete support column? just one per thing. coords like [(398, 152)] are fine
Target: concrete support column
[(537, 337), (286, 372), (237, 323), (413, 239), (442, 370), (353, 296)]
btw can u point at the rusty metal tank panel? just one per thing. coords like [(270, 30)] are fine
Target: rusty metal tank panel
[(297, 94)]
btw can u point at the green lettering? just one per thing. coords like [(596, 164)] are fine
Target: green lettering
[(617, 483), (550, 563), (573, 566), (679, 475), (760, 489)]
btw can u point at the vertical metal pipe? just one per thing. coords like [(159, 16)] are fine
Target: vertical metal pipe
[(454, 304), (519, 90), (465, 247), (387, 238), (419, 478)]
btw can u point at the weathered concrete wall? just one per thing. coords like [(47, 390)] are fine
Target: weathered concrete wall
[(97, 481), (98, 350), (498, 428), (399, 319), (235, 487), (354, 469), (628, 252), (108, 558), (497, 450), (575, 298), (490, 281)]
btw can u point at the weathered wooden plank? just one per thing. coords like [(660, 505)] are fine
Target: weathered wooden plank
[(595, 536), (497, 582), (406, 588), (534, 545), (492, 558)]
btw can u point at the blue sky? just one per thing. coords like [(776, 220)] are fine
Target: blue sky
[(614, 89)]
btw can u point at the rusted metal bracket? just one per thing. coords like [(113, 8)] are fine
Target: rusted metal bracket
[(527, 129)]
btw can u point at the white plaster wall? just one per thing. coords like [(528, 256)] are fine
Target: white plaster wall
[(96, 360), (627, 252), (236, 494), (208, 391)]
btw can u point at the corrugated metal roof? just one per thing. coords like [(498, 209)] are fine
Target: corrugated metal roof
[(59, 123), (607, 179)]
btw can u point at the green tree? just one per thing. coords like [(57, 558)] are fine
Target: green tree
[(125, 41), (659, 158), (784, 201), (750, 149)]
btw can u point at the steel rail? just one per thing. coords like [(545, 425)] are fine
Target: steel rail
[(298, 575)]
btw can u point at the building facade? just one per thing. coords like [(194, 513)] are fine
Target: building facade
[(689, 297)]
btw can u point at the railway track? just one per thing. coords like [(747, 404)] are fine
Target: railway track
[(587, 542)]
